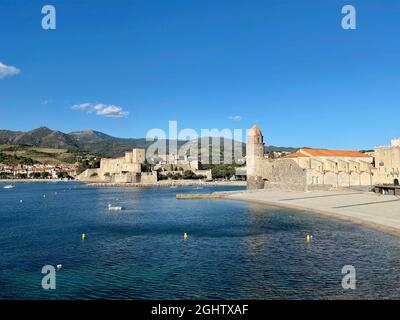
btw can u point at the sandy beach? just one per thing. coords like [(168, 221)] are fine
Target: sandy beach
[(366, 208)]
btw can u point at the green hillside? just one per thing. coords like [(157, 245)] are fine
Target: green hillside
[(17, 154)]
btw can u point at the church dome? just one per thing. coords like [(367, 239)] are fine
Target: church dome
[(254, 132)]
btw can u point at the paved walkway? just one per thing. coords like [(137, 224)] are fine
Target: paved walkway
[(372, 210)]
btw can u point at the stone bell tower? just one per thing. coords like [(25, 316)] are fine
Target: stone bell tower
[(254, 157)]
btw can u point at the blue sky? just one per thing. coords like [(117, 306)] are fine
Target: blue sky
[(287, 66)]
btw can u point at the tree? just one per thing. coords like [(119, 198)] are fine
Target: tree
[(271, 155), (4, 175), (223, 171), (62, 175), (188, 174), (35, 175), (44, 175), (177, 176), (162, 177), (94, 174), (84, 164)]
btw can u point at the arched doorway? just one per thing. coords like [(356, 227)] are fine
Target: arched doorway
[(396, 182)]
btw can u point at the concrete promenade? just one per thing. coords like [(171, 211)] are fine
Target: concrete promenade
[(366, 208)]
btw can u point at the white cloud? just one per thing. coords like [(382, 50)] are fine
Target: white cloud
[(235, 118), (7, 70), (101, 109)]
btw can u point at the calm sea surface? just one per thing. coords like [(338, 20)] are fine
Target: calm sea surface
[(235, 250)]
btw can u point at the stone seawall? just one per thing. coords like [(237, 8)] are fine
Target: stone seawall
[(198, 196), (213, 195)]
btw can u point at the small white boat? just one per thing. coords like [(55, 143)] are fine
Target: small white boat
[(114, 208), (9, 187)]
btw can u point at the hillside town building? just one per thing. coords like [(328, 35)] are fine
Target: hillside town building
[(32, 171)]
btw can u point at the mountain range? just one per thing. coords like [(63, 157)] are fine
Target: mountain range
[(92, 141)]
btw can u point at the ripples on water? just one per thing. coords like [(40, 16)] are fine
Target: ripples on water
[(235, 250)]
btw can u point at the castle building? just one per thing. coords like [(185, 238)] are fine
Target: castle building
[(306, 169), (387, 162), (131, 162), (131, 168), (127, 169)]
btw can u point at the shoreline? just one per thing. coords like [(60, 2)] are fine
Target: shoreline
[(167, 184), (356, 212), (33, 180)]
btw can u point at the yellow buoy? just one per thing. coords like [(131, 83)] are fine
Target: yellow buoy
[(83, 236), (185, 236), (308, 238)]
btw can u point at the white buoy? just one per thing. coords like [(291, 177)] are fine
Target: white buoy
[(114, 208), (59, 266)]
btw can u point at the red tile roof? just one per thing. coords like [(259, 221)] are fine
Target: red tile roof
[(327, 153), (297, 155)]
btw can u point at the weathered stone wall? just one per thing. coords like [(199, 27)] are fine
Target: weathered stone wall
[(87, 175), (255, 182), (115, 166), (387, 162), (138, 156), (319, 187), (254, 153), (128, 177), (367, 179), (343, 179), (285, 173), (148, 177), (206, 173)]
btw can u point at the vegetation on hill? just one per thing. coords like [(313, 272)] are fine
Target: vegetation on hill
[(14, 160), (26, 155), (90, 163)]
